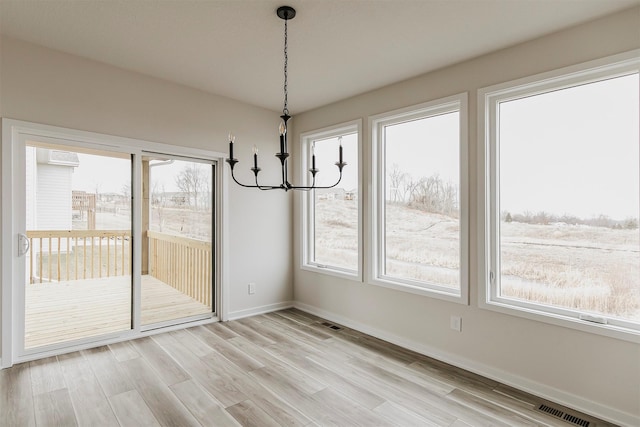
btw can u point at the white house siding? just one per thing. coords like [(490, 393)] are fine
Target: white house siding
[(53, 197), (32, 177)]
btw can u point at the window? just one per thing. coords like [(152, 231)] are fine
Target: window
[(420, 202), (332, 215), (561, 196)]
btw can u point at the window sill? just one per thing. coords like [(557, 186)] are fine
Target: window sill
[(607, 330), (445, 295), (333, 271)]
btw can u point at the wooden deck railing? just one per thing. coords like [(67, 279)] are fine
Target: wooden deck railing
[(182, 263), (78, 254), (60, 255)]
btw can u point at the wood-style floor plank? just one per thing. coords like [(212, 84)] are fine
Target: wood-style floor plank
[(412, 402), (401, 416), (317, 333), (91, 405), (192, 343), (248, 333), (278, 408), (123, 351), (132, 411), (344, 411), (16, 397), (299, 359), (166, 368), (164, 405), (204, 407), (238, 357), (250, 415), (219, 387), (489, 409), (278, 369), (54, 409), (108, 371), (46, 375), (221, 330), (296, 329)]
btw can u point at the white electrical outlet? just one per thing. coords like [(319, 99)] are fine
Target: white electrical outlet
[(456, 323), (252, 288)]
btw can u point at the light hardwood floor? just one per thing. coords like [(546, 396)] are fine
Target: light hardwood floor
[(286, 368)]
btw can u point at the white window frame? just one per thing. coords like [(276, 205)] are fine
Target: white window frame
[(488, 197), (307, 200), (377, 123)]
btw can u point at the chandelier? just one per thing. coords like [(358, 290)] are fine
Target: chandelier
[(286, 13)]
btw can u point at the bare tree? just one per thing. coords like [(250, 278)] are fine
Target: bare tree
[(432, 194), (126, 191), (191, 180), (159, 202), (397, 181)]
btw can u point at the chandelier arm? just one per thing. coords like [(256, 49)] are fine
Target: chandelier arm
[(261, 187), (286, 186), (304, 188), (313, 187), (266, 187)]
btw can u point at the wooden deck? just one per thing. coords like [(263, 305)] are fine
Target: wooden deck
[(65, 311)]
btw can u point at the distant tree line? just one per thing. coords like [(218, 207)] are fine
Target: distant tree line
[(429, 194), (545, 218)]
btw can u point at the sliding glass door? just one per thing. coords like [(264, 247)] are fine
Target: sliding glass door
[(104, 239), (177, 250), (78, 231)]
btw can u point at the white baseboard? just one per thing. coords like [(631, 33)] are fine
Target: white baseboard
[(527, 385), (234, 315)]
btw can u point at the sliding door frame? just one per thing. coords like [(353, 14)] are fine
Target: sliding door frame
[(214, 234), (14, 135)]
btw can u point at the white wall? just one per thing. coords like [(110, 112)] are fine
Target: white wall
[(597, 374), (45, 86)]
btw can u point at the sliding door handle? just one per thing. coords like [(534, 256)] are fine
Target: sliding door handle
[(23, 244)]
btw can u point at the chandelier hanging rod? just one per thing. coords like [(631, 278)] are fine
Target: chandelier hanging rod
[(286, 13)]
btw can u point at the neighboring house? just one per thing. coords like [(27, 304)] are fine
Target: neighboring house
[(48, 188), (48, 192), (331, 193), (181, 199)]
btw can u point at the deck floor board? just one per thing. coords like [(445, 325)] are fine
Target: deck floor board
[(65, 311)]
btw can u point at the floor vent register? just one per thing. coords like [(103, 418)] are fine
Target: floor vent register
[(560, 414)]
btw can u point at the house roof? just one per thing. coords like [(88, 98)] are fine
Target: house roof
[(337, 48)]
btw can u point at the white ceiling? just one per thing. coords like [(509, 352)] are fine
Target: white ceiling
[(337, 48)]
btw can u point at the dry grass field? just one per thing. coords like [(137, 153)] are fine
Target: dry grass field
[(594, 269), (576, 266)]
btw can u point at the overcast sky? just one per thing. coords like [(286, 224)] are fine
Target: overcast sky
[(426, 147), (111, 174), (572, 151)]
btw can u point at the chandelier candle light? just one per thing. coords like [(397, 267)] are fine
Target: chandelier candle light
[(286, 13)]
